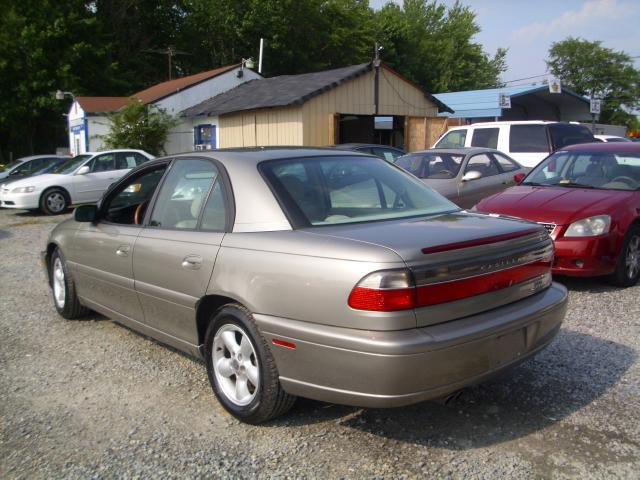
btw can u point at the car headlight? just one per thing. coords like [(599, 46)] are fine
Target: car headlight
[(23, 189), (589, 227)]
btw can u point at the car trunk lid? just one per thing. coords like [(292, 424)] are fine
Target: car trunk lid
[(462, 263)]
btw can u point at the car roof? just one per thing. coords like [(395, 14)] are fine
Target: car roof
[(255, 155), (603, 147), (460, 150), (35, 157), (358, 145), (514, 122)]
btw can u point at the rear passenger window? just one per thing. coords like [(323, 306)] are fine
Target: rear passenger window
[(214, 217), (453, 139), (506, 164), (528, 138), (129, 160), (485, 137), (483, 164), (569, 134)]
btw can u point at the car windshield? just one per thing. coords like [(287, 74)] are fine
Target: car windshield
[(70, 165), (342, 190), (433, 165), (8, 166), (605, 170)]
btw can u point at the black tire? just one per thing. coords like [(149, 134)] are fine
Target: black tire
[(54, 201), (624, 276), (269, 400), (67, 306)]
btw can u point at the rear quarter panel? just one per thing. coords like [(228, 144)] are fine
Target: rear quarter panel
[(303, 277)]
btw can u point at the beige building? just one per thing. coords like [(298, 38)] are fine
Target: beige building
[(355, 104)]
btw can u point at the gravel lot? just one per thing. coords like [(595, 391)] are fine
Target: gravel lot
[(92, 399)]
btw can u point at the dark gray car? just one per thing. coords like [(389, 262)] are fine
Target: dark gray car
[(309, 272), (464, 175)]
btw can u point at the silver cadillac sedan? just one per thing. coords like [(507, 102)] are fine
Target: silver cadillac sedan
[(309, 272)]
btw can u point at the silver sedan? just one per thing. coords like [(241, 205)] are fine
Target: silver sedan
[(464, 175), (309, 272)]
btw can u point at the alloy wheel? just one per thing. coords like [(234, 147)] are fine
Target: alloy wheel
[(59, 292), (235, 364), (632, 260), (56, 202)]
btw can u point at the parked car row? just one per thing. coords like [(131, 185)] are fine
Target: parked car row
[(394, 294), (69, 181)]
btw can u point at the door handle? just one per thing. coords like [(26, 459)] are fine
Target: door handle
[(123, 250), (192, 262)]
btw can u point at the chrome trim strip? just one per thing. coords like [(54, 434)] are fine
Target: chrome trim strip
[(473, 266)]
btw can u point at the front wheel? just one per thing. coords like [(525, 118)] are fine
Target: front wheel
[(628, 268), (241, 368), (54, 201)]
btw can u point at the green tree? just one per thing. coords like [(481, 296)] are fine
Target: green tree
[(595, 71), (139, 125), (433, 46), (45, 45), (300, 35)]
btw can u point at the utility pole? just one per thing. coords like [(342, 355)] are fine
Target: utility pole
[(376, 78), (170, 52)]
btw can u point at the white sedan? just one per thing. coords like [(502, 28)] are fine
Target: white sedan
[(81, 179)]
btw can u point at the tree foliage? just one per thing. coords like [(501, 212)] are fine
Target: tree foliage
[(114, 48), (141, 126), (433, 45), (595, 71)]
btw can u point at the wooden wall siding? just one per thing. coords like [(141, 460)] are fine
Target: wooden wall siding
[(422, 132), (397, 97), (271, 126)]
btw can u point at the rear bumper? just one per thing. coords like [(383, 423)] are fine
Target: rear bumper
[(585, 257), (395, 368)]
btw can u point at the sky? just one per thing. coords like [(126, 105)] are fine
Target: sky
[(528, 28)]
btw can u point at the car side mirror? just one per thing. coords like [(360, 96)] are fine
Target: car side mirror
[(471, 175), (518, 177), (86, 213), (83, 170), (14, 172)]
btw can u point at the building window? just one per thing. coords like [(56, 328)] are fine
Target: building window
[(205, 137)]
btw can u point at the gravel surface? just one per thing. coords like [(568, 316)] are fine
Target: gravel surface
[(92, 399)]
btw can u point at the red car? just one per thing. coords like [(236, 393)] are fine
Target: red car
[(588, 198)]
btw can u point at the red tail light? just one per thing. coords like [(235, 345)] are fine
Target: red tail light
[(384, 291), (518, 177), (393, 290)]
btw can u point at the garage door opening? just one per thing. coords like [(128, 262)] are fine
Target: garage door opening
[(377, 129)]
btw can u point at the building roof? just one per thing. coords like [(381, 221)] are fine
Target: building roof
[(485, 103), (151, 94), (164, 89), (101, 104), (282, 91)]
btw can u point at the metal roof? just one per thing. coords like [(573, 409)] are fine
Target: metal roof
[(485, 103)]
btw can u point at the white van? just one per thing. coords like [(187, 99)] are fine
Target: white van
[(528, 142)]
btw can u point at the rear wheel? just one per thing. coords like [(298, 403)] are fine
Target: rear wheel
[(628, 268), (241, 368), (54, 201), (64, 289)]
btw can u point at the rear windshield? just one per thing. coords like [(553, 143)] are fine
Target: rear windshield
[(568, 134), (432, 165), (342, 190)]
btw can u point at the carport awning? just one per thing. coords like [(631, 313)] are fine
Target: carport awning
[(486, 103)]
